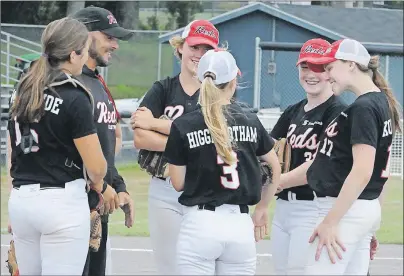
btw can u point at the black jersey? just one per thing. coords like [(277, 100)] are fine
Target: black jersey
[(105, 118), (302, 130), (54, 159), (208, 180), (366, 121), (169, 98)]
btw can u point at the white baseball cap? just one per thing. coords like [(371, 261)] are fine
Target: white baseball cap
[(219, 62), (344, 49)]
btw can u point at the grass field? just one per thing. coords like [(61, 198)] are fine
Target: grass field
[(391, 230)]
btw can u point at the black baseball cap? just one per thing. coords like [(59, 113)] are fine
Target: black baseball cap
[(99, 19)]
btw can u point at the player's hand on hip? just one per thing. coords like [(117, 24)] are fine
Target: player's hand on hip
[(126, 204), (142, 118), (111, 201), (260, 220), (327, 237), (374, 245)]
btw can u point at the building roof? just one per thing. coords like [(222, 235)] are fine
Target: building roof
[(386, 27), (367, 25)]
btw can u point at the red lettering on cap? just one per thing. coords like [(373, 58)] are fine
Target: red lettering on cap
[(312, 50), (203, 30)]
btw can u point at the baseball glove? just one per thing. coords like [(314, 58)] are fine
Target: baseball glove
[(153, 162), (95, 202), (283, 150), (12, 261)]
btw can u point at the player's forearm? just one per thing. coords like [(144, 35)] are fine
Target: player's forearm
[(149, 140), (353, 186), (118, 134), (161, 126), (118, 146), (177, 176), (296, 177), (267, 193)]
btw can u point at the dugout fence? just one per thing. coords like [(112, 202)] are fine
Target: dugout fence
[(276, 84)]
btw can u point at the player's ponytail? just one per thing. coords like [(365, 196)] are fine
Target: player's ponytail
[(211, 104), (28, 104), (381, 82), (59, 39)]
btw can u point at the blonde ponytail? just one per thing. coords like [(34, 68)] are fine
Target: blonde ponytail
[(212, 110)]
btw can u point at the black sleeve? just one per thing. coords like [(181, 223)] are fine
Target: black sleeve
[(175, 147), (80, 116), (117, 181), (154, 100), (281, 127), (265, 141), (364, 126)]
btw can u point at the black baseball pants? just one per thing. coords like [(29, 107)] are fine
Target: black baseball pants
[(96, 261)]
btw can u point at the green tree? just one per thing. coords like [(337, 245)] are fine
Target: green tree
[(32, 12), (183, 11)]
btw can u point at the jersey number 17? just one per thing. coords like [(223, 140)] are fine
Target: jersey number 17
[(232, 182)]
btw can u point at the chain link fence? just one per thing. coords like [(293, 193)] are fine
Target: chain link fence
[(277, 86), (136, 64), (277, 78)]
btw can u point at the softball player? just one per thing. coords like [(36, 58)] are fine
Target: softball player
[(302, 123), (352, 162), (173, 96), (212, 155), (53, 136)]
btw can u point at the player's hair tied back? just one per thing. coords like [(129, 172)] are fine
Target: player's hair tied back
[(210, 100), (59, 39), (380, 81)]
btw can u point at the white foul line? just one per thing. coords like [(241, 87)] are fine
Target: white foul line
[(143, 250)]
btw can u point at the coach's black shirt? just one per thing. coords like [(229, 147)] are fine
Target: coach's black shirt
[(366, 121), (105, 121), (54, 159), (302, 130), (208, 180)]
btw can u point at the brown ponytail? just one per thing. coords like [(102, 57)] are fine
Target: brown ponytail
[(212, 109), (383, 85), (59, 39)]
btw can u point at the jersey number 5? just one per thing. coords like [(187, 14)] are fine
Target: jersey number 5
[(231, 170)]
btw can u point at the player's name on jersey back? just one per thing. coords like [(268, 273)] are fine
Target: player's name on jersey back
[(199, 138)]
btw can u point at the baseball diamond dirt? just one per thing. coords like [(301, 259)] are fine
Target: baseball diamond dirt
[(133, 256)]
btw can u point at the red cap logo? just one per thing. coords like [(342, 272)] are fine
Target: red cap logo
[(201, 32), (313, 48)]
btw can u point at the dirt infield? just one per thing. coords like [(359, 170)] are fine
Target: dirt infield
[(133, 256)]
